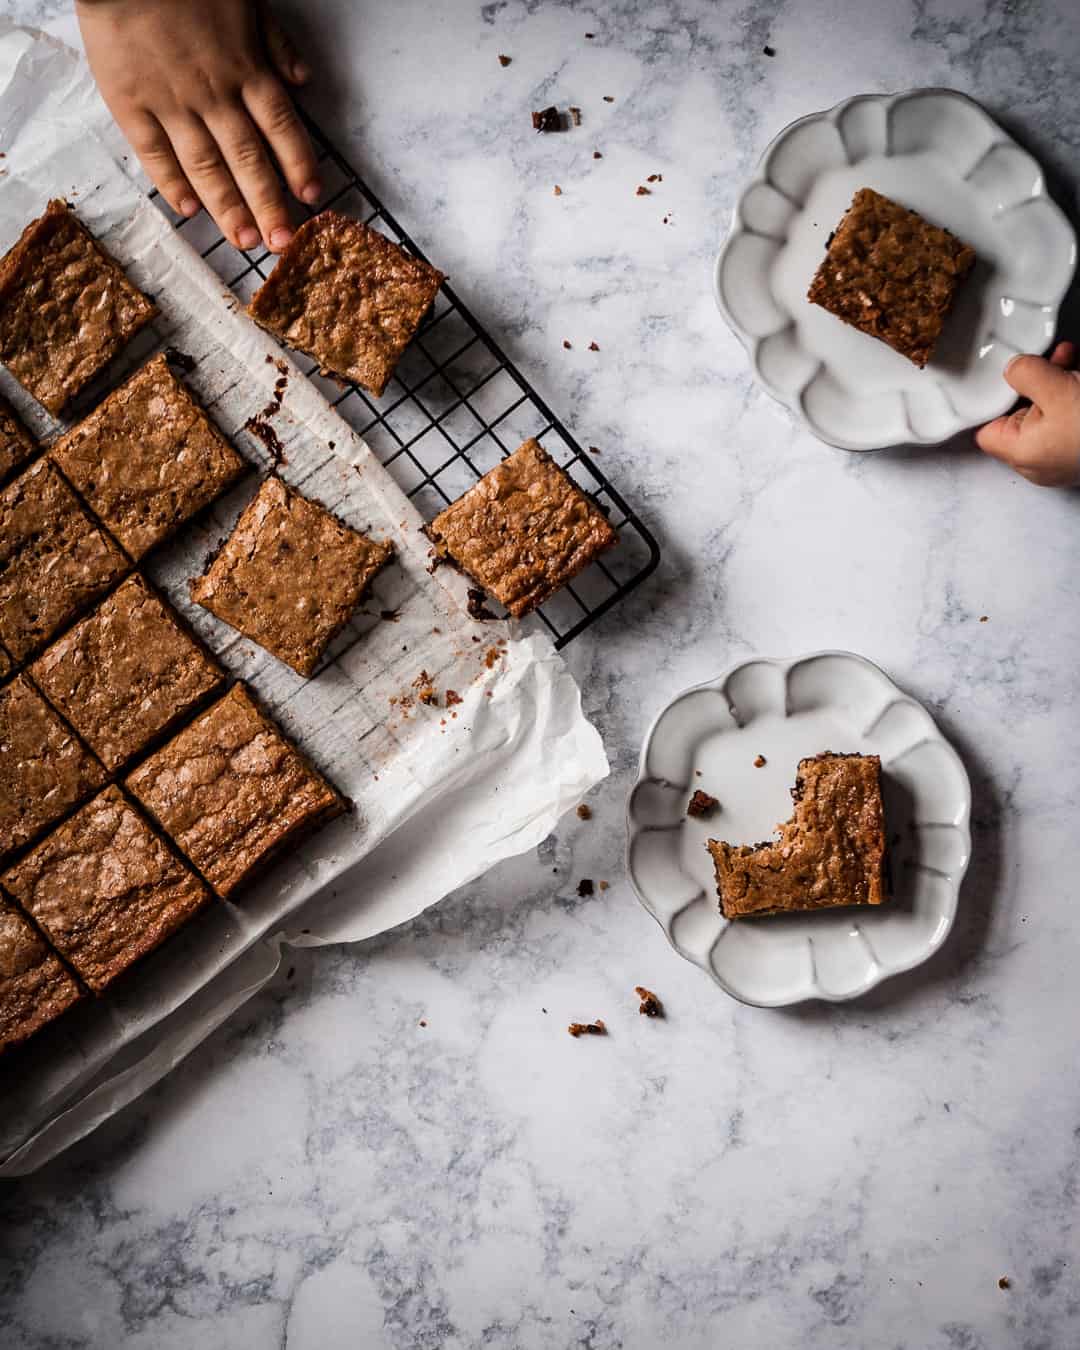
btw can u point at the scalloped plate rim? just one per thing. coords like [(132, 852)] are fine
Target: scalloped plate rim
[(737, 228), (880, 974)]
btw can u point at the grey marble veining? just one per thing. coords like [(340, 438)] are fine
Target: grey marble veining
[(326, 1171)]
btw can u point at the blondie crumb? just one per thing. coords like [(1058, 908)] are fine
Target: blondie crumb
[(701, 804), (596, 1028), (650, 1004)]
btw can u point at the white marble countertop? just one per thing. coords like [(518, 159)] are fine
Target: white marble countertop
[(329, 1171)]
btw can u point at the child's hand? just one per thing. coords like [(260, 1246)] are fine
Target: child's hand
[(1041, 442), (192, 85)]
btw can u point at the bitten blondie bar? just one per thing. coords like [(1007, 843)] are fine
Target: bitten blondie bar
[(830, 853), (523, 530), (66, 307), (890, 273)]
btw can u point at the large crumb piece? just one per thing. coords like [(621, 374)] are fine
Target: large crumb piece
[(290, 575), (830, 853), (104, 889), (348, 296), (891, 274), (66, 308), (524, 530), (650, 1005), (54, 560), (126, 673), (596, 1028), (44, 770), (232, 792), (35, 988), (147, 459), (701, 804)]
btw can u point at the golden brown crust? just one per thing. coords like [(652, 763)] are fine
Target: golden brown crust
[(104, 889), (54, 560), (147, 459), (126, 673), (524, 530), (346, 295), (44, 771), (66, 308), (830, 853), (890, 273), (16, 443), (290, 575), (35, 987), (232, 792)]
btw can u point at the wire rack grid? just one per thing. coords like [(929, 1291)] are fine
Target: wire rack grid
[(455, 406)]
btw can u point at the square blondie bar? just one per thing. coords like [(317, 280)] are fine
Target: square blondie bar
[(104, 889), (126, 673), (44, 770), (891, 274), (348, 296), (66, 307), (290, 575), (35, 987), (831, 852), (147, 459), (232, 792), (16, 443), (524, 530), (54, 560)]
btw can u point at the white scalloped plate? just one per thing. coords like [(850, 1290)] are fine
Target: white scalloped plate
[(785, 710), (939, 153)]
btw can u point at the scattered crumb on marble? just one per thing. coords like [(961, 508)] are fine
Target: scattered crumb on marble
[(584, 812), (643, 191), (594, 346), (1004, 1282), (585, 887), (760, 762), (596, 1028), (504, 61), (650, 1005)]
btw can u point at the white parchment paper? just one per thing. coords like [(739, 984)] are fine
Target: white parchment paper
[(441, 793)]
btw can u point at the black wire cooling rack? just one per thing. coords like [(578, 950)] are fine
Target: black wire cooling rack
[(456, 405)]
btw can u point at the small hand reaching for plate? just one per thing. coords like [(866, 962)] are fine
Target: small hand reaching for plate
[(1040, 441), (199, 89)]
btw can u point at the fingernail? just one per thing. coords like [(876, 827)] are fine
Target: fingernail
[(189, 206), (311, 192), (301, 70), (247, 236), (280, 236)]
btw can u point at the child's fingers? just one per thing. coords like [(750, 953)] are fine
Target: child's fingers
[(1064, 355), (280, 48), (1034, 378), (276, 117), (252, 172), (151, 143), (202, 160), (999, 437)]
